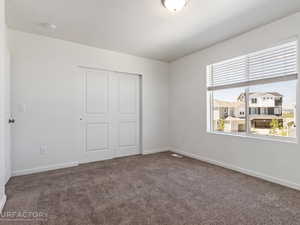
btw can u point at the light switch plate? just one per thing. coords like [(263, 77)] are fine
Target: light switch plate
[(43, 149)]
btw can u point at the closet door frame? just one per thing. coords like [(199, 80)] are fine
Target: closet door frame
[(83, 122)]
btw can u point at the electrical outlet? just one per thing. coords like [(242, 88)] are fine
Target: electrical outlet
[(43, 149)]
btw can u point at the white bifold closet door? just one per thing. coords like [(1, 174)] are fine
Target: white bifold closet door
[(111, 120)]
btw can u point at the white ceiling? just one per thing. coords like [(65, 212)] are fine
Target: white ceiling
[(144, 27)]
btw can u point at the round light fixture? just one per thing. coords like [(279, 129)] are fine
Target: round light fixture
[(174, 5)]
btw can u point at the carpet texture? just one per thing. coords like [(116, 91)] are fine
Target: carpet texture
[(148, 190)]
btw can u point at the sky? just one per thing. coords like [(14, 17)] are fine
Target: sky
[(286, 88)]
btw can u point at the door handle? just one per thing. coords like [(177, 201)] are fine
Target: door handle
[(11, 120)]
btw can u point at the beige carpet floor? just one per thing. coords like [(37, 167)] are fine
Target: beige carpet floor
[(145, 190)]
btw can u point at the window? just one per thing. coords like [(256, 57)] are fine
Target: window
[(279, 118), (228, 115), (254, 100), (255, 94)]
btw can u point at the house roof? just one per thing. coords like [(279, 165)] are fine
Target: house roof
[(265, 93), (220, 103), (276, 94)]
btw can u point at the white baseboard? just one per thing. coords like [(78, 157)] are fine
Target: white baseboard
[(8, 176), (152, 151), (71, 164), (241, 170), (2, 203), (7, 179), (44, 168)]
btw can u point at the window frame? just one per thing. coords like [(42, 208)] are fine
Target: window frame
[(247, 133)]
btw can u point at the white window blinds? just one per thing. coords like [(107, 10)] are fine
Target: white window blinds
[(234, 70), (277, 63), (273, 62)]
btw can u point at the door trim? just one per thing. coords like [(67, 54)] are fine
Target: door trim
[(107, 70), (140, 80)]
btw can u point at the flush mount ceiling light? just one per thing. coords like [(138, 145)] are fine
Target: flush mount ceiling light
[(174, 5)]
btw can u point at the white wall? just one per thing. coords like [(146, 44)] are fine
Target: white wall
[(3, 107), (7, 130), (275, 161), (46, 80)]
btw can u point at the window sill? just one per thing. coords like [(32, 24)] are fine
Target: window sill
[(252, 136)]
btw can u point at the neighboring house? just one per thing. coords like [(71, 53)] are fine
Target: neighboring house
[(263, 107), (224, 109), (231, 113), (290, 114)]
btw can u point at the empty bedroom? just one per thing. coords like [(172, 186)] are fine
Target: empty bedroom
[(139, 112)]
